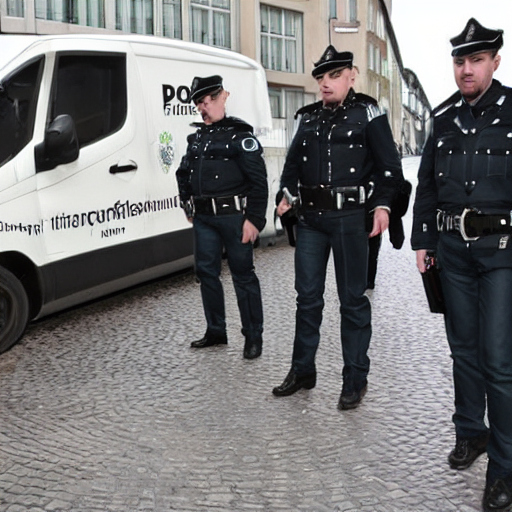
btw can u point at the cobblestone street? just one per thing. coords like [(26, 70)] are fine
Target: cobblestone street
[(105, 408)]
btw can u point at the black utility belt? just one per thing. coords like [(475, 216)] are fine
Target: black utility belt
[(332, 198), (222, 205), (473, 224)]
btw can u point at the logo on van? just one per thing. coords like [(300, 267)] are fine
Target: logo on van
[(166, 151), (177, 101)]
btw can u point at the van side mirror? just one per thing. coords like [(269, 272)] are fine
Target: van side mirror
[(60, 144)]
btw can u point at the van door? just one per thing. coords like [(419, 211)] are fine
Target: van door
[(93, 206)]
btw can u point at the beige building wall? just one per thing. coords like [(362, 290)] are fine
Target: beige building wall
[(315, 38)]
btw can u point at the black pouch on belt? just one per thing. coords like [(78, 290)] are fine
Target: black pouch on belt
[(432, 285)]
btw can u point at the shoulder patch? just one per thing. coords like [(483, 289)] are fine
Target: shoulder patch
[(249, 144)]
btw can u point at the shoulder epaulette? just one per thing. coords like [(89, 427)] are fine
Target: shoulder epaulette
[(359, 97), (446, 104), (240, 124), (308, 109)]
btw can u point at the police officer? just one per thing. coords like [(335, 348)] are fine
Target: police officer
[(223, 189), (341, 142), (463, 211)]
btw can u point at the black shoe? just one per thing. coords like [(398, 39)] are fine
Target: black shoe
[(498, 495), (466, 450), (208, 340), (350, 398), (293, 382), (252, 348)]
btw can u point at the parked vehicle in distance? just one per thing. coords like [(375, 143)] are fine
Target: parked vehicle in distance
[(92, 129)]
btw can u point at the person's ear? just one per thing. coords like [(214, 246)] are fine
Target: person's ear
[(497, 61)]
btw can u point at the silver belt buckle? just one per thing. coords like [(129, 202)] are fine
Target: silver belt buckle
[(340, 199), (362, 195), (440, 220), (462, 227), (240, 203)]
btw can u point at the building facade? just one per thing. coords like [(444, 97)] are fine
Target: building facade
[(286, 36)]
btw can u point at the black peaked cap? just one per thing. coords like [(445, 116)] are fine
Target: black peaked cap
[(476, 38), (202, 86), (332, 59)]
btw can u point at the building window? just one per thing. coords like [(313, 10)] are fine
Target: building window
[(172, 18), (210, 22), (89, 12), (371, 56), (55, 10), (134, 16), (15, 8), (412, 101), (79, 12), (405, 93), (281, 39), (385, 69), (352, 11), (275, 96), (370, 23), (380, 25), (284, 103), (332, 9), (377, 67)]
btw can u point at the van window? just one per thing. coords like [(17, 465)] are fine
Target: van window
[(18, 101), (91, 88)]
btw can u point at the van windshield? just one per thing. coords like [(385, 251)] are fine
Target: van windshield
[(18, 100)]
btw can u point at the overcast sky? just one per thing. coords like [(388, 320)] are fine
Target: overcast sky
[(424, 27)]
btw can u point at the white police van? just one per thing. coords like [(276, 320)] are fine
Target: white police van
[(92, 129)]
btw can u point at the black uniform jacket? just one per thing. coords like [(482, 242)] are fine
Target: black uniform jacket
[(225, 159), (466, 162), (344, 146)]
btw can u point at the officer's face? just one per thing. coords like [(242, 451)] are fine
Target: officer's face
[(473, 73), (213, 106), (334, 85)]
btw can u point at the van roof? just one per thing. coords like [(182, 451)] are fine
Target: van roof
[(13, 45)]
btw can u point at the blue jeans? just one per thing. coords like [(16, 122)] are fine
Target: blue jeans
[(477, 286), (345, 234), (211, 234)]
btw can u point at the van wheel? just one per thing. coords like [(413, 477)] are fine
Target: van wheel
[(14, 310)]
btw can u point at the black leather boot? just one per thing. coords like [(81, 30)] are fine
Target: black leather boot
[(498, 495), (293, 382), (209, 339), (466, 450), (351, 396), (252, 348)]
